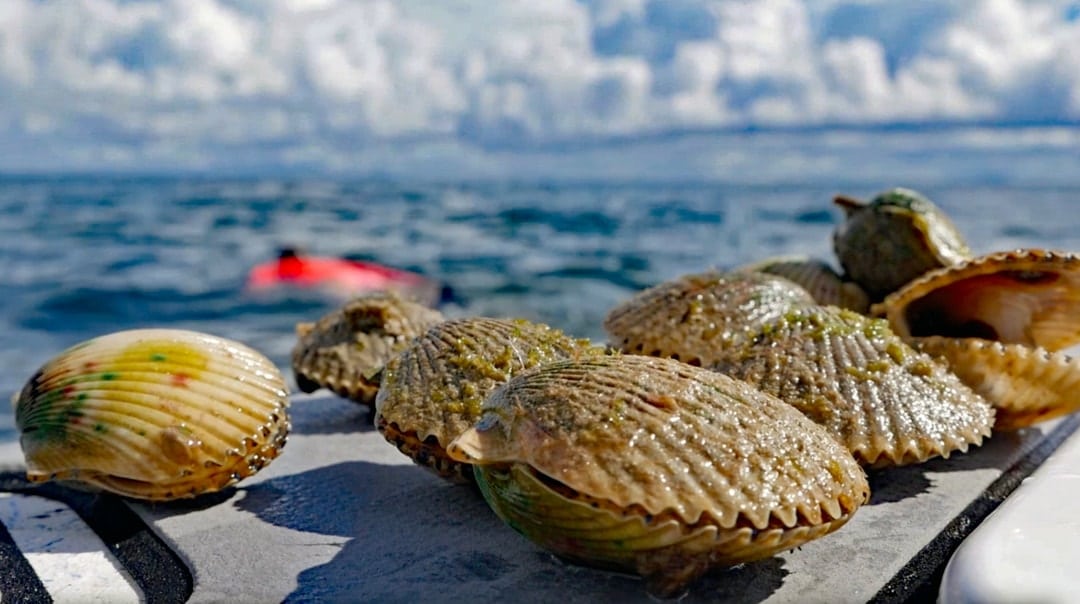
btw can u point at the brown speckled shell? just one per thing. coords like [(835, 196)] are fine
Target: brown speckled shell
[(818, 278), (1025, 385), (698, 318), (889, 404), (432, 391), (344, 351), (1029, 297), (654, 466)]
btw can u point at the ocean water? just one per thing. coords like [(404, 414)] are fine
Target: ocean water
[(87, 256)]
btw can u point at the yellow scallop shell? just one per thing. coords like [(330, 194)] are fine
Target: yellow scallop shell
[(653, 466), (345, 350), (818, 278), (153, 414), (433, 389)]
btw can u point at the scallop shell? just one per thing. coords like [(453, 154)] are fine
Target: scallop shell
[(893, 239), (698, 318), (818, 278), (1029, 297), (1025, 385), (153, 414), (345, 350), (432, 391), (889, 404), (653, 466)]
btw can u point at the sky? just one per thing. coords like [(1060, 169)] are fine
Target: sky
[(475, 88)]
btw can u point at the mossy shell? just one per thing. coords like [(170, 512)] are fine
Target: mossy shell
[(886, 402), (345, 350), (697, 318), (1026, 385), (153, 414), (1029, 297), (893, 239), (432, 391), (653, 466), (818, 278)]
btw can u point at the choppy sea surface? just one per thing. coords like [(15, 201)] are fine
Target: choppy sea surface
[(82, 257)]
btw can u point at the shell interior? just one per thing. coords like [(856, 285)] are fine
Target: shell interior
[(1029, 297)]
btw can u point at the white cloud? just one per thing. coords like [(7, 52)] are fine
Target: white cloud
[(196, 83)]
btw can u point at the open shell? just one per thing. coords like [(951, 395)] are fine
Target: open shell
[(433, 390), (1029, 297), (153, 414), (894, 238), (653, 466), (818, 278), (1026, 385), (698, 318), (345, 350), (889, 404)]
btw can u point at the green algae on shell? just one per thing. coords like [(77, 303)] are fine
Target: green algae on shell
[(894, 238), (888, 403), (652, 466), (153, 414), (345, 350), (697, 318), (432, 390)]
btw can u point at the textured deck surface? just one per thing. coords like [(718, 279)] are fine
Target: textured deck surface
[(341, 515)]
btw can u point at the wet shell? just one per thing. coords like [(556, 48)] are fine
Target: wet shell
[(889, 404), (432, 391), (819, 279), (1025, 385), (698, 318), (345, 350), (153, 414), (1029, 297), (653, 466), (893, 239)]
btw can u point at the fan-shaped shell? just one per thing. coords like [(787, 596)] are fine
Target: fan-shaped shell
[(893, 239), (153, 414), (889, 404), (654, 466), (1025, 385), (432, 391), (345, 350), (818, 278), (698, 318), (1029, 297)]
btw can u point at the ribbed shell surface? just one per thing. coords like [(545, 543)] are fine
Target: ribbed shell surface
[(1026, 385), (893, 239), (153, 414), (659, 437), (345, 349), (698, 318), (889, 404), (1029, 297), (432, 391), (819, 279)]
